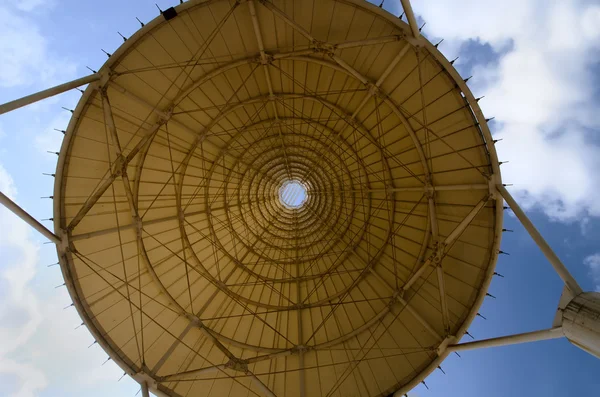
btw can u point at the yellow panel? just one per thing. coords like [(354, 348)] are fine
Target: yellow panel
[(193, 265)]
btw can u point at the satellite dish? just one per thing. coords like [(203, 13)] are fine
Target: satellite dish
[(282, 198)]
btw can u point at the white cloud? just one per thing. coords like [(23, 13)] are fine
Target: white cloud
[(593, 264), (40, 349), (48, 139), (30, 379), (20, 313), (26, 57), (540, 89), (31, 5)]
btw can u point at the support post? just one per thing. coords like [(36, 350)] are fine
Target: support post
[(38, 96), (581, 322), (552, 333), (560, 268), (145, 392), (21, 213), (410, 15)]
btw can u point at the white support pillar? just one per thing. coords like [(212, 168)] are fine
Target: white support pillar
[(552, 333), (560, 268), (581, 322), (145, 392), (21, 213), (410, 15), (38, 96)]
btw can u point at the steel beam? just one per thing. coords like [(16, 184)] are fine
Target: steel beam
[(443, 300), (448, 241), (301, 364), (103, 187), (374, 90), (426, 189), (410, 15), (193, 372), (392, 65), (109, 120), (38, 96), (288, 20), (559, 267), (197, 135), (433, 218), (552, 333), (266, 391), (420, 319), (145, 392), (408, 307), (31, 221), (365, 42), (349, 69), (145, 223), (265, 67), (383, 76)]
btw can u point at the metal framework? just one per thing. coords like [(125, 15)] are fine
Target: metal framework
[(195, 277)]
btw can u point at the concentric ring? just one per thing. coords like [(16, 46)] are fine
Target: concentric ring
[(187, 264)]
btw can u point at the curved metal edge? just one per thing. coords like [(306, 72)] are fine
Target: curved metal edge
[(496, 176), (64, 256)]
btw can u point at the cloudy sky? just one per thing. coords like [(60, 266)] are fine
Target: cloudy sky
[(536, 62)]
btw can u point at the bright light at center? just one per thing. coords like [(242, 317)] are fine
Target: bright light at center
[(292, 194)]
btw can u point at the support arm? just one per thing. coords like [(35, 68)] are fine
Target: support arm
[(552, 333), (410, 15), (21, 213), (560, 268), (38, 96), (145, 392)]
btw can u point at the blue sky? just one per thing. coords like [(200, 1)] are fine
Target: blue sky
[(536, 62)]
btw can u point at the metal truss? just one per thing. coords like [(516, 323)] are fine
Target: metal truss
[(191, 181)]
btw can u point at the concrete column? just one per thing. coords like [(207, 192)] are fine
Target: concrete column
[(581, 322)]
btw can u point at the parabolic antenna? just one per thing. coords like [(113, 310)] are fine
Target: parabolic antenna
[(286, 198)]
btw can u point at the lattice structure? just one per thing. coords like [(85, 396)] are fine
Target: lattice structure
[(286, 198), (190, 265)]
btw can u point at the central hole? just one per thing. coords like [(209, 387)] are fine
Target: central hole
[(292, 194)]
